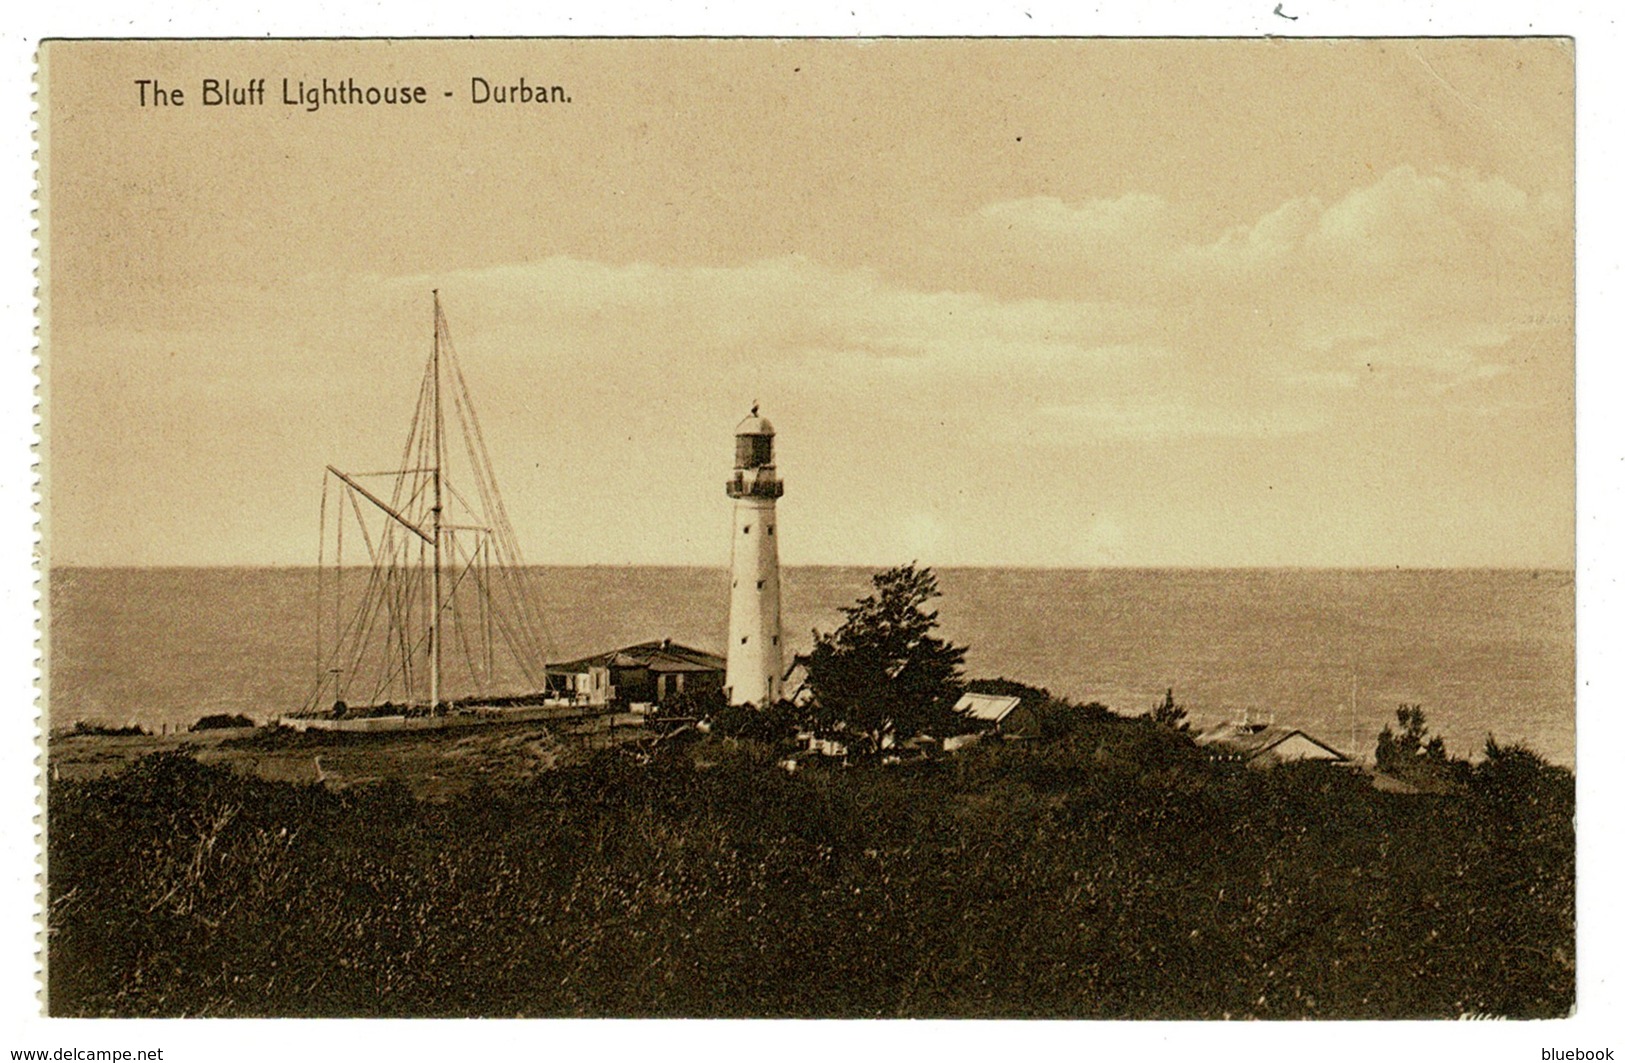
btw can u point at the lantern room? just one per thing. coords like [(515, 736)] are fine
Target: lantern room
[(753, 442)]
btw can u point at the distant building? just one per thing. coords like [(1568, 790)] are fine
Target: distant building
[(1263, 745), (1005, 714), (649, 672)]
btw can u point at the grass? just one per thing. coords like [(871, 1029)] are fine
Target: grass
[(1113, 874)]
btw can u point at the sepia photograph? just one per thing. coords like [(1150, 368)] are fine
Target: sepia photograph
[(808, 528)]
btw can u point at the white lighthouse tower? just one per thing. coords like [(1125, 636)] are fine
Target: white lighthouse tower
[(755, 657)]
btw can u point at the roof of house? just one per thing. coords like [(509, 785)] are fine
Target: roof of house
[(1391, 784), (662, 656), (1250, 740), (989, 707)]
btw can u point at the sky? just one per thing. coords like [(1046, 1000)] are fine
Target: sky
[(1020, 302)]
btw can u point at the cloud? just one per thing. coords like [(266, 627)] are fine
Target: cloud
[(1128, 228), (1430, 270), (1133, 317), (1150, 418), (1433, 271), (789, 304), (1408, 219), (1131, 322)]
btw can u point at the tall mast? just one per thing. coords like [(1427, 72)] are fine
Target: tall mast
[(1354, 709), (376, 636), (436, 472)]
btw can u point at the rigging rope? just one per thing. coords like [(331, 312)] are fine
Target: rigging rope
[(321, 552), (379, 639)]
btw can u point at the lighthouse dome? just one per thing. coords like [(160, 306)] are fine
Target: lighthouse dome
[(754, 425)]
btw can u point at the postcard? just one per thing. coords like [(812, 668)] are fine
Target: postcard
[(955, 528)]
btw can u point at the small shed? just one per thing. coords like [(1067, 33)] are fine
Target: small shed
[(1006, 714)]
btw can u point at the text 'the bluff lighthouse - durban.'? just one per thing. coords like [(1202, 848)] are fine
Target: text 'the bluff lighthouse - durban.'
[(342, 92)]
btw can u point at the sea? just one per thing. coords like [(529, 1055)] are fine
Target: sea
[(1333, 652)]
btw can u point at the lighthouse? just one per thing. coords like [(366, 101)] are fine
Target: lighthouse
[(755, 657)]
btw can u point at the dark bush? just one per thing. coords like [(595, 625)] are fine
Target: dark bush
[(1058, 717), (220, 721), (1415, 756), (775, 724), (81, 727), (1113, 874)]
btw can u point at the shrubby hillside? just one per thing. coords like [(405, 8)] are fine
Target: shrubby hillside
[(1110, 872)]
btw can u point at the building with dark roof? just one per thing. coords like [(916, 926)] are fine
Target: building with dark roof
[(647, 673), (1265, 744)]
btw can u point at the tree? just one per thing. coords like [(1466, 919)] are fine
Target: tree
[(883, 671), (1414, 755), (1518, 783), (701, 703), (1401, 752), (775, 723), (1170, 714)]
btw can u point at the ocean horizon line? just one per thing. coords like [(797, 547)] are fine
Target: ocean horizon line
[(876, 566)]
